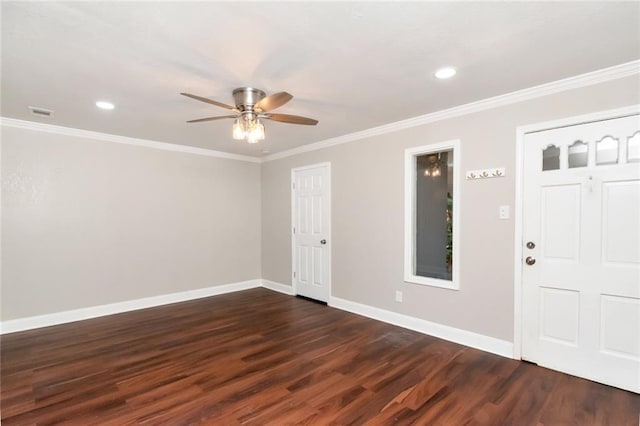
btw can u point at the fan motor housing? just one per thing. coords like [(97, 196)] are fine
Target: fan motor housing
[(246, 97)]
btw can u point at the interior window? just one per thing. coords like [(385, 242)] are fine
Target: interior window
[(551, 158), (607, 151), (578, 154), (633, 147), (430, 256)]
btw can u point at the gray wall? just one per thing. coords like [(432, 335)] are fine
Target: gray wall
[(367, 211), (88, 223)]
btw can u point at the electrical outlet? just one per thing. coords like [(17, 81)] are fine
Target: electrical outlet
[(503, 212), (398, 296)]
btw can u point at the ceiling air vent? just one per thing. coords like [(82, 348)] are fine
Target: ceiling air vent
[(41, 112)]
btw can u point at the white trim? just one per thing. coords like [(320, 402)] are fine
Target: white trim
[(292, 232), (452, 334), (327, 190), (582, 80), (463, 337), (311, 166), (68, 131), (1, 233), (409, 213), (580, 119), (575, 82), (521, 132), (47, 320), (517, 251), (280, 288)]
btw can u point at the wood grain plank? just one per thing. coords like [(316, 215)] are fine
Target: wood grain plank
[(258, 357)]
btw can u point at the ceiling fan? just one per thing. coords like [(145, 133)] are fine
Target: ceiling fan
[(251, 105)]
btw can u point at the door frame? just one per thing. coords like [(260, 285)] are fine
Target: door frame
[(326, 164), (521, 133)]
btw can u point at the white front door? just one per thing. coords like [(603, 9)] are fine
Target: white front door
[(581, 250), (311, 213)]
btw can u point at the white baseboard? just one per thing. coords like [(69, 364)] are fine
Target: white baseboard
[(456, 335), (463, 337), (280, 288), (47, 320)]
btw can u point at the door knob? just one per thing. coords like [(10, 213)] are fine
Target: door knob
[(531, 245), (530, 260), (323, 241)]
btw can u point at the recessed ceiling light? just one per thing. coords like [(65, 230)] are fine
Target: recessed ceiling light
[(105, 105), (446, 72)]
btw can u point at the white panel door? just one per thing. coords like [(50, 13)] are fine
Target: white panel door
[(311, 212), (581, 250)]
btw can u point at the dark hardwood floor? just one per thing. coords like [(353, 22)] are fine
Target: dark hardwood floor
[(259, 357)]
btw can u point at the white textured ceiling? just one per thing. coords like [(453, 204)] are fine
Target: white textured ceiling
[(351, 65)]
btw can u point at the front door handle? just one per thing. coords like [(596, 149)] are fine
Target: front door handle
[(530, 260), (323, 241)]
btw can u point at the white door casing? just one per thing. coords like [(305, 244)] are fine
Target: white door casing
[(581, 297), (311, 231)]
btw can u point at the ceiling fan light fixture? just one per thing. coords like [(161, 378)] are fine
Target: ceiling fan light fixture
[(251, 106), (238, 130), (251, 130), (259, 130), (255, 131)]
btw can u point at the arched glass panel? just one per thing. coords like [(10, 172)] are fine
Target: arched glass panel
[(551, 158), (607, 151), (578, 154), (633, 147)]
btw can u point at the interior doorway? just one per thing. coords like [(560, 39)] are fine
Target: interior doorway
[(311, 231)]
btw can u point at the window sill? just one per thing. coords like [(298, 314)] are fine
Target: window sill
[(432, 282)]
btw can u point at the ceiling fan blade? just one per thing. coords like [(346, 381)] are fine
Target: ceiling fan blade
[(209, 101), (212, 118), (293, 119), (274, 101)]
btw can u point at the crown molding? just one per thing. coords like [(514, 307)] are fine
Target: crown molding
[(582, 80), (69, 131)]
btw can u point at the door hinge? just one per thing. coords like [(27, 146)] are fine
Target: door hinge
[(294, 229), (294, 274), (293, 185)]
